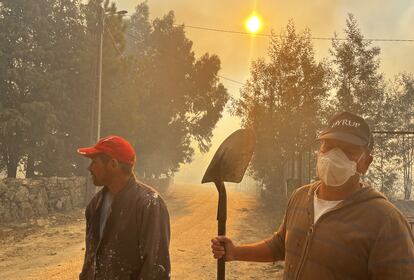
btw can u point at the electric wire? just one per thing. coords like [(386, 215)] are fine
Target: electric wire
[(270, 35)]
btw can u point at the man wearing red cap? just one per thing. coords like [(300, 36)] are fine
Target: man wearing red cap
[(127, 222), (338, 227)]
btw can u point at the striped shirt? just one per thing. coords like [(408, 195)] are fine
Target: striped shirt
[(363, 237)]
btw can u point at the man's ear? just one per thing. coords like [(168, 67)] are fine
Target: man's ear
[(366, 163)]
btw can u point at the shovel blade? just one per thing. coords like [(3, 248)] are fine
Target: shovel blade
[(232, 158)]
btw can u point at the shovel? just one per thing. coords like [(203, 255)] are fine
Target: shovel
[(229, 165)]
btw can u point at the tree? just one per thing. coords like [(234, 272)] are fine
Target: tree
[(360, 88), (155, 92), (72, 57), (284, 102), (25, 81), (402, 111), (43, 80), (166, 99)]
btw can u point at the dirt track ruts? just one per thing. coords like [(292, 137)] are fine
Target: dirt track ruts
[(56, 252)]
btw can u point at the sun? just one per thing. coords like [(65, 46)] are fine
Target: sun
[(253, 24)]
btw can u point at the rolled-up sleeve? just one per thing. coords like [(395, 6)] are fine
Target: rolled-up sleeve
[(277, 242)]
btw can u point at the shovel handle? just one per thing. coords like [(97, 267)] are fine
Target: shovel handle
[(221, 269), (221, 219), (221, 263)]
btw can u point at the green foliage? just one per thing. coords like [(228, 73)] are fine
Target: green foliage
[(283, 102), (387, 106), (34, 47), (172, 98), (399, 148), (359, 85), (155, 92), (360, 88)]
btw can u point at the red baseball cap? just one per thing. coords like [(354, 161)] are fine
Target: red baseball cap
[(114, 146)]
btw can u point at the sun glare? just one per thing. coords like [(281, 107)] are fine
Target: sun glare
[(253, 24)]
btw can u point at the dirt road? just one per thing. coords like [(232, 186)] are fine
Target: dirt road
[(54, 248)]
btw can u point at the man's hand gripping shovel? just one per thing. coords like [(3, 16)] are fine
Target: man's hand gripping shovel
[(229, 165)]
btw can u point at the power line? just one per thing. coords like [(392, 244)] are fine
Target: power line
[(231, 80), (222, 77), (223, 30), (263, 34), (394, 132), (269, 35)]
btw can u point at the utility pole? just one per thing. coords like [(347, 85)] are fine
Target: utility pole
[(100, 36), (96, 104), (98, 88)]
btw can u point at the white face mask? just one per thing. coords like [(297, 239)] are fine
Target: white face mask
[(334, 168)]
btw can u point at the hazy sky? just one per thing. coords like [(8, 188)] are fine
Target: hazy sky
[(377, 19)]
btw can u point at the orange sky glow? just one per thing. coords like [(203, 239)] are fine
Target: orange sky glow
[(377, 19)]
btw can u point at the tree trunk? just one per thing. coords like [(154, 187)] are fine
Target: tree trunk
[(30, 166), (12, 168)]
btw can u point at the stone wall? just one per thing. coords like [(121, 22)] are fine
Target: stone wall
[(23, 199)]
